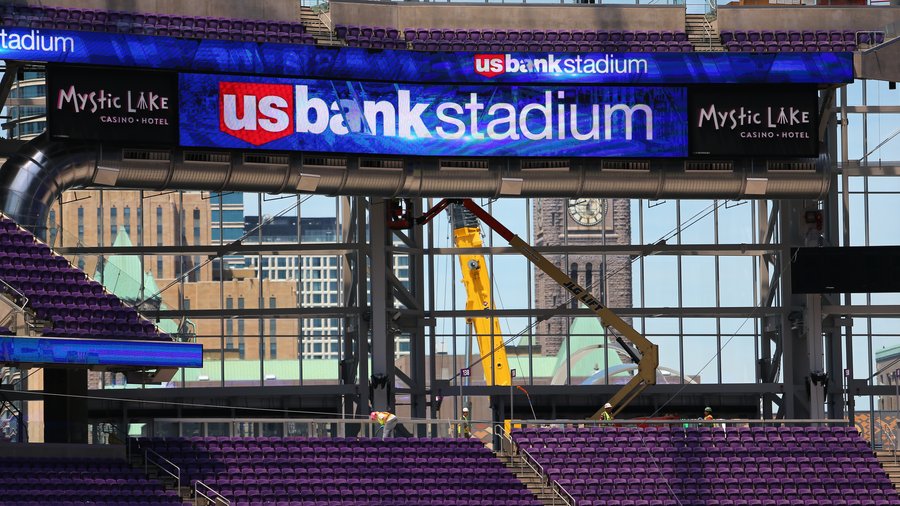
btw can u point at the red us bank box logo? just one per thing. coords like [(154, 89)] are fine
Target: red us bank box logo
[(256, 113), (490, 65)]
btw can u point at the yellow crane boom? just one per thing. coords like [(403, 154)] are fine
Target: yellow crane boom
[(647, 355), (475, 277)]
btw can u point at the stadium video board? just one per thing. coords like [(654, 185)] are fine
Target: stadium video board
[(432, 120), (63, 351), (112, 105), (248, 112), (347, 63)]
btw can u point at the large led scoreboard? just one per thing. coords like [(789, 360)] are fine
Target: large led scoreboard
[(240, 95), (245, 95)]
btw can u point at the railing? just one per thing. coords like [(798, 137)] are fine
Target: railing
[(506, 443), (17, 433), (151, 457), (20, 299), (203, 492), (312, 427)]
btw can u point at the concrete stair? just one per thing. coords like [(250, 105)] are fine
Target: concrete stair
[(890, 461), (186, 493), (317, 28), (532, 480), (703, 33)]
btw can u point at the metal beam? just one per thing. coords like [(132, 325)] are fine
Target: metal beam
[(9, 77), (215, 250), (889, 310)]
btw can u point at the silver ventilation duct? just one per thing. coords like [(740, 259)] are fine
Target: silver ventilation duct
[(43, 169)]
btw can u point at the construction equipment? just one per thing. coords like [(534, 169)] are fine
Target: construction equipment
[(647, 354), (467, 234)]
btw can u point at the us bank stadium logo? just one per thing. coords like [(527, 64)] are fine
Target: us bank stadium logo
[(431, 119), (493, 65)]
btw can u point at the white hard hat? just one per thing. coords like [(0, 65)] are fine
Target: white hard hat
[(465, 410), (607, 406)]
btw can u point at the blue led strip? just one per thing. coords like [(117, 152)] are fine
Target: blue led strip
[(56, 350), (249, 112), (310, 61)]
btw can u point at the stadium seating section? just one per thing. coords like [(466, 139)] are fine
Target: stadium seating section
[(57, 292), (822, 40), (427, 39), (447, 39), (155, 24), (346, 471), (63, 482), (758, 466)]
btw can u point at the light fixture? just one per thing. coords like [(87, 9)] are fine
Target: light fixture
[(756, 186), (308, 182)]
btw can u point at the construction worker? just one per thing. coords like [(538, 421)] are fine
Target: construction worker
[(707, 413), (466, 426), (606, 413), (387, 420)]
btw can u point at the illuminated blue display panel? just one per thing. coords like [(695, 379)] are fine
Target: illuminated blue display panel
[(90, 352), (431, 120), (309, 61)]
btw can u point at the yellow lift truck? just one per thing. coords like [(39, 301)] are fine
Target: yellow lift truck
[(490, 340)]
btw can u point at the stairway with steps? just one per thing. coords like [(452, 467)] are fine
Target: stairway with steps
[(890, 461), (532, 480), (186, 493), (703, 34), (317, 28)]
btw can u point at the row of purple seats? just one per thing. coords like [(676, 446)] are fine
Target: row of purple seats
[(570, 47), (686, 432), (801, 37), (787, 47), (156, 24), (371, 32), (59, 293), (210, 442), (327, 470), (500, 35), (70, 481), (691, 464), (273, 499)]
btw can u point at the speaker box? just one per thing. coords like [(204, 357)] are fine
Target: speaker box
[(846, 270)]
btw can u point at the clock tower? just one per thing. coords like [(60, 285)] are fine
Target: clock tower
[(581, 222)]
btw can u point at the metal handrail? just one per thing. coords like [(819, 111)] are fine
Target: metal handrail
[(22, 298), (537, 468), (149, 455), (213, 498)]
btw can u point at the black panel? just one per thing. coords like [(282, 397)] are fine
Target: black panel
[(758, 121), (112, 105), (846, 270)]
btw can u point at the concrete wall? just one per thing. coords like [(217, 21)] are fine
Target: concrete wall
[(282, 10), (806, 18), (519, 16), (59, 450)]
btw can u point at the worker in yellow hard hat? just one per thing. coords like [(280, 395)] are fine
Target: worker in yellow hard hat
[(606, 413), (466, 425)]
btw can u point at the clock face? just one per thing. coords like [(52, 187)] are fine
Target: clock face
[(587, 212)]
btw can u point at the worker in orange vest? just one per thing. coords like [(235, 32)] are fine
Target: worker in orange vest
[(387, 420)]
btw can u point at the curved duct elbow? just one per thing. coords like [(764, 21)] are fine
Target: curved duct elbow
[(38, 173), (43, 169)]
